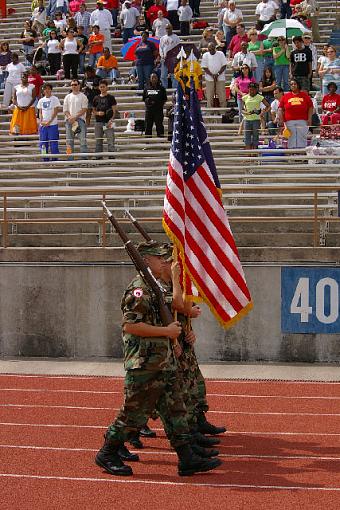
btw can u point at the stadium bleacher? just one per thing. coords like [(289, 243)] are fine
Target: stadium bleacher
[(271, 200)]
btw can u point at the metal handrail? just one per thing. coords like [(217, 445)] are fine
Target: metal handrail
[(9, 194)]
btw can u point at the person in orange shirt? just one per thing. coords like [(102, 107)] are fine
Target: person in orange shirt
[(107, 66), (96, 45)]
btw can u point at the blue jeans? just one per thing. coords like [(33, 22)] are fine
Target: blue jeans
[(269, 62), (103, 73), (127, 33), (286, 10), (3, 77), (143, 73), (251, 133), (229, 32), (82, 62), (259, 70), (281, 76), (240, 106), (49, 136), (114, 13), (93, 58), (82, 136), (164, 77)]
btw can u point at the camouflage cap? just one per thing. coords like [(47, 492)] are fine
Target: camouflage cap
[(152, 248), (168, 248)]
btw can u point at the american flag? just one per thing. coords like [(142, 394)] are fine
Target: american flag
[(195, 220)]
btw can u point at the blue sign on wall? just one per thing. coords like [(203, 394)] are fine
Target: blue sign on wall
[(310, 300)]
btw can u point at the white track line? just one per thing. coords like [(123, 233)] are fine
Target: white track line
[(83, 408), (168, 452), (242, 432), (243, 380), (229, 395), (168, 483)]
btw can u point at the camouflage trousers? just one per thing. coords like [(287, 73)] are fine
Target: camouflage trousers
[(145, 391)]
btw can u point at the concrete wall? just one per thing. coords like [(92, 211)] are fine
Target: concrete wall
[(73, 310)]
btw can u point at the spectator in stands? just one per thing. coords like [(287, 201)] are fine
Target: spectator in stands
[(90, 87), (24, 120), (274, 123), (152, 12), (222, 7), (107, 66), (70, 24), (266, 11), (49, 107), (266, 87), (301, 63), (268, 59), (255, 107), (167, 43), (70, 48), (83, 40), (74, 108), (172, 13), (323, 57), (82, 18), (141, 26), (28, 37), (5, 59), (296, 110), (235, 43), (207, 38), (39, 17), (185, 16), (60, 22), (231, 18), (220, 42), (56, 5), (241, 86), (195, 6), (35, 79), (331, 105), (330, 69), (255, 46), (310, 9), (159, 25), (308, 43), (113, 7), (103, 19), (244, 57), (128, 17), (285, 8), (281, 54), (53, 52), (214, 64), (15, 69), (104, 109), (155, 97), (74, 6), (96, 45), (146, 53), (50, 27)]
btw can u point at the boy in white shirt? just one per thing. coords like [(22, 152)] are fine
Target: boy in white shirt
[(185, 15), (48, 107), (159, 25)]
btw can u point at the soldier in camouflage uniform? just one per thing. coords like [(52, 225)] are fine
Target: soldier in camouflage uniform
[(150, 381)]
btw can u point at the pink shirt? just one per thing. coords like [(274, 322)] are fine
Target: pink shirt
[(243, 84)]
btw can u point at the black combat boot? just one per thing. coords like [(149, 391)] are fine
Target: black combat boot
[(208, 428), (136, 442), (204, 453), (147, 432), (190, 463), (108, 459), (125, 454), (204, 441)]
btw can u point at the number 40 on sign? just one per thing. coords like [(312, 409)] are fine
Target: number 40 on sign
[(310, 300)]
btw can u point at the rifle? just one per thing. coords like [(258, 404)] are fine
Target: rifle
[(138, 226), (142, 268)]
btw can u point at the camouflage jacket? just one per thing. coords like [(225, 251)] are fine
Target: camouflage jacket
[(148, 353)]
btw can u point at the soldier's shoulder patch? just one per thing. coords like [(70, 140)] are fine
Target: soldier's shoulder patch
[(138, 292)]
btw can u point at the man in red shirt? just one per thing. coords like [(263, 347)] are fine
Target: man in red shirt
[(235, 43), (331, 105), (113, 7), (152, 12), (296, 110)]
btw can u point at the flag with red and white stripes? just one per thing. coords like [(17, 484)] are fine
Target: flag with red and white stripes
[(195, 220)]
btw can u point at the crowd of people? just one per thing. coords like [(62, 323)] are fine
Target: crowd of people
[(73, 42)]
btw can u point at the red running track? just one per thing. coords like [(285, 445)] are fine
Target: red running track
[(282, 450)]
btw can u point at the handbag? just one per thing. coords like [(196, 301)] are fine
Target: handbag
[(200, 24)]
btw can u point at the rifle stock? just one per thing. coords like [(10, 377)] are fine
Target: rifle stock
[(141, 267)]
